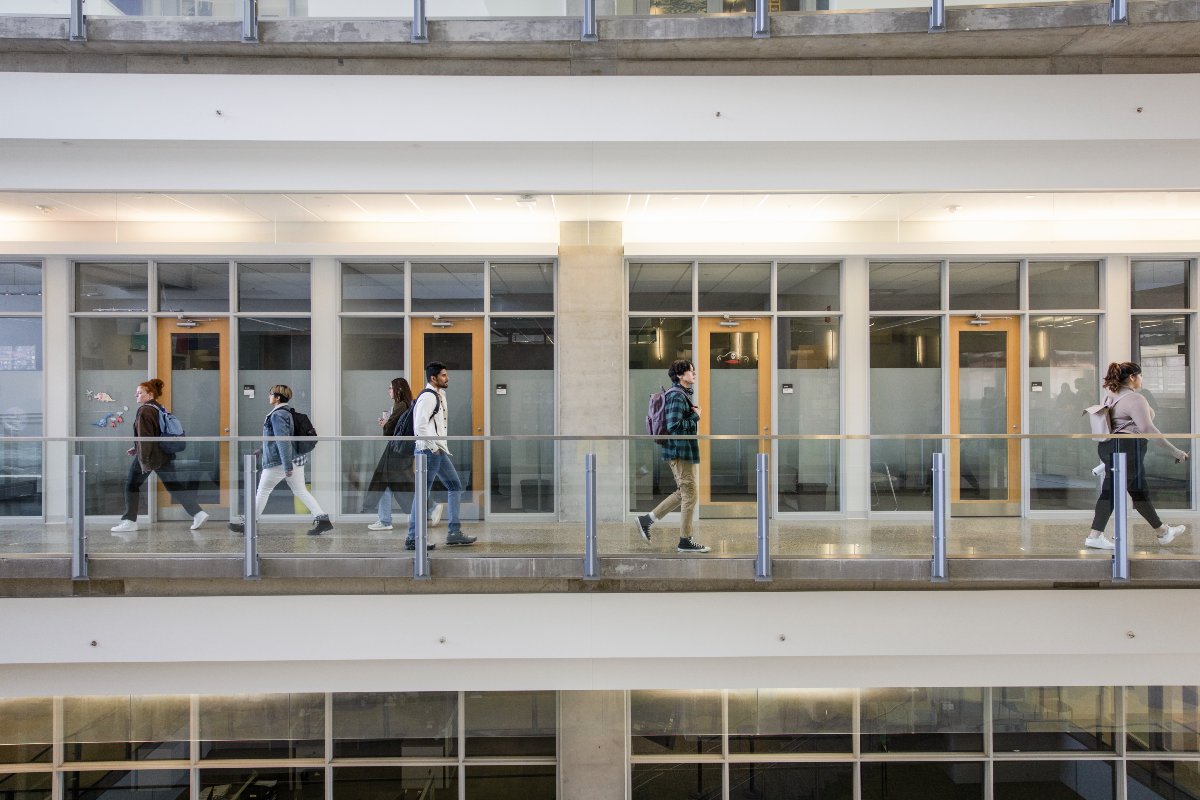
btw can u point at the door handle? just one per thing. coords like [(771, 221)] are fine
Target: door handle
[(227, 430)]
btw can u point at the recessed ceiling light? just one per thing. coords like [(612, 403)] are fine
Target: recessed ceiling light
[(952, 209), (497, 198), (674, 198), (45, 209), (1031, 197), (526, 200)]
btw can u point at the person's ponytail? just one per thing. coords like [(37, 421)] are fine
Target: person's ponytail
[(1119, 373)]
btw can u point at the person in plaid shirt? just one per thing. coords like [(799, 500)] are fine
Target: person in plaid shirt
[(682, 455)]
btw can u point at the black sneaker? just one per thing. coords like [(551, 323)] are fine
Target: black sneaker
[(688, 546), (320, 525), (643, 524), (459, 539), (237, 527), (409, 544)]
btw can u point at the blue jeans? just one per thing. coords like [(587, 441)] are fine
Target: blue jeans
[(385, 507), (439, 465)]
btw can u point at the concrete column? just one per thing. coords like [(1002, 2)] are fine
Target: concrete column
[(326, 302), (856, 385), (592, 361), (58, 370), (591, 745), (1115, 301)]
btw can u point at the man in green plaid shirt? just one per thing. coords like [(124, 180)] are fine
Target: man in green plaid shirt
[(682, 455)]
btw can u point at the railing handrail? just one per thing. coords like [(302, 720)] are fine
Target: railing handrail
[(549, 437)]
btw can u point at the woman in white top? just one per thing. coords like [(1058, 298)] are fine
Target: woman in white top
[(1130, 414)]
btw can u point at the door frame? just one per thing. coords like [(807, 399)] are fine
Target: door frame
[(1012, 505), (706, 326)]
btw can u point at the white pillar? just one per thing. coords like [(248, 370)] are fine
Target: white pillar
[(1115, 301), (58, 372), (324, 473), (856, 387)]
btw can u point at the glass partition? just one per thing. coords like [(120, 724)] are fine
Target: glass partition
[(373, 287), (1064, 285), (21, 403), (654, 343), (149, 784), (922, 720), (395, 724), (262, 726), (26, 730), (1054, 718), (372, 357), (809, 402), (1161, 284), (1160, 345), (984, 285), (447, 286), (168, 8), (126, 728), (193, 287), (905, 285), (660, 287), (522, 404), (734, 287), (111, 286), (274, 286)]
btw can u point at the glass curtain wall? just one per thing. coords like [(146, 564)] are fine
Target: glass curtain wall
[(432, 745), (21, 393)]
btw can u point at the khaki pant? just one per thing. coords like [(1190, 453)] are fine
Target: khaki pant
[(683, 497)]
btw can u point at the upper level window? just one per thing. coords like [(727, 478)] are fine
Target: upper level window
[(1064, 284), (660, 287), (906, 285), (109, 286), (20, 286), (984, 285), (373, 287), (809, 287), (1161, 284), (522, 287), (282, 286), (193, 286), (735, 287), (447, 286)]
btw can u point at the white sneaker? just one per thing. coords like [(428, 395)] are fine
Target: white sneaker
[(436, 516), (200, 518), (1099, 541), (124, 526), (379, 526), (1098, 470), (1169, 532)]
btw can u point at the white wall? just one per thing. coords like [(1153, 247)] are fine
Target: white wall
[(595, 641)]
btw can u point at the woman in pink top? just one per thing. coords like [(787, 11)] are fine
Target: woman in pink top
[(1130, 414)]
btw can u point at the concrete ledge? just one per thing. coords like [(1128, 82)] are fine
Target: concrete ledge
[(205, 575)]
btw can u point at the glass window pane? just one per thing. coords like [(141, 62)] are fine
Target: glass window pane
[(26, 730), (1064, 354), (790, 781), (660, 287), (735, 287), (20, 286), (522, 404), (20, 415), (1021, 780), (675, 781), (26, 785), (447, 287), (654, 342), (809, 403), (274, 287), (110, 361), (372, 356), (906, 360), (511, 724), (262, 726), (150, 784), (1169, 780), (523, 287), (533, 782), (373, 287), (400, 783), (809, 287), (193, 287), (791, 721), (1064, 284), (1161, 284), (395, 724), (1160, 345), (984, 285), (1052, 718), (676, 723), (111, 287), (301, 783), (906, 285), (944, 780), (125, 728), (922, 720), (1163, 718)]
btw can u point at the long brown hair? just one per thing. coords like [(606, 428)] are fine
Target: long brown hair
[(1119, 373), (401, 392)]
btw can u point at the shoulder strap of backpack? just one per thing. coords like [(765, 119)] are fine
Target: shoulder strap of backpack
[(437, 401)]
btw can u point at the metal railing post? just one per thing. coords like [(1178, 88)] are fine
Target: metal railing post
[(938, 565), (590, 32), (937, 16), (250, 565), (591, 555), (762, 559), (1120, 570), (1118, 13), (421, 536), (79, 556), (78, 22), (249, 20), (420, 24), (762, 19)]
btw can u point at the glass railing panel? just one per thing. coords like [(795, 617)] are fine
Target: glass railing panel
[(210, 9), (56, 8), (483, 9), (335, 9)]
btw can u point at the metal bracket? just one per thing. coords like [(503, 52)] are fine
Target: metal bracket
[(250, 21), (78, 22), (937, 16), (1118, 13), (420, 24), (590, 32), (762, 20)]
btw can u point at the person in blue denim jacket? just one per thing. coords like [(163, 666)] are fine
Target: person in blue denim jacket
[(281, 462)]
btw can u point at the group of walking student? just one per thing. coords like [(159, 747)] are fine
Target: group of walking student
[(1127, 409)]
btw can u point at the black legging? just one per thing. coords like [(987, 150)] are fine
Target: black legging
[(182, 492), (1135, 481)]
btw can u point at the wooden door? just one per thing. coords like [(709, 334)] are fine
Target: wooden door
[(458, 343), (734, 394), (194, 366), (985, 398)]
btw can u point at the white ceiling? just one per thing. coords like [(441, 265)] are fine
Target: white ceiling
[(374, 208)]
